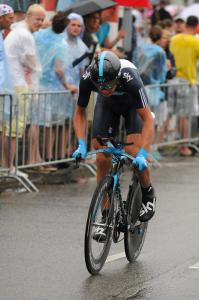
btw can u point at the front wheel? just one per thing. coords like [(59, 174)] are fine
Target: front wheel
[(135, 234), (102, 202)]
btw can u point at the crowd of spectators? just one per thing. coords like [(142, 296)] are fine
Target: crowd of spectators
[(39, 55)]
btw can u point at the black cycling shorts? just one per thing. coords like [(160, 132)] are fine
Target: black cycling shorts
[(108, 111)]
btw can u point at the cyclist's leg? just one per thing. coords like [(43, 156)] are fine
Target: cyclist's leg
[(133, 127), (104, 125)]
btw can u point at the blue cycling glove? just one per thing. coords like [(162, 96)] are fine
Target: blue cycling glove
[(81, 150), (140, 161)]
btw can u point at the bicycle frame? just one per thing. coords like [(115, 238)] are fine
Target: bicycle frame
[(118, 159), (119, 156)]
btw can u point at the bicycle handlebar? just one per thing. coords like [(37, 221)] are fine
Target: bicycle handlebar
[(115, 149)]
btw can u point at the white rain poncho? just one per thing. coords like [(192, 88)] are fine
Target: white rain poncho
[(76, 48), (22, 56), (5, 79)]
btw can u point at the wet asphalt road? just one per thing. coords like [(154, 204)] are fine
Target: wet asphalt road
[(41, 235)]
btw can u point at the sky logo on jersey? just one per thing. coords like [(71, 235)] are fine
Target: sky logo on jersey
[(101, 80), (86, 74), (127, 76)]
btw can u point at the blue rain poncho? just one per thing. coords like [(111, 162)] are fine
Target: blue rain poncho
[(51, 47), (152, 68), (152, 63)]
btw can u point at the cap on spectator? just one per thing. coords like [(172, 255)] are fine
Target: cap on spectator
[(5, 9)]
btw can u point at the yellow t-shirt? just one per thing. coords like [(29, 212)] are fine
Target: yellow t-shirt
[(185, 48)]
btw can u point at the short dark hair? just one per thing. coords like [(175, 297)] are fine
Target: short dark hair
[(155, 33), (179, 20), (59, 22), (192, 21), (167, 23)]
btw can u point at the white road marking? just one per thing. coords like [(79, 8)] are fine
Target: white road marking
[(115, 257), (195, 266)]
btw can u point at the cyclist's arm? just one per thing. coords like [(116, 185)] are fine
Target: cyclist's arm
[(80, 122), (147, 129), (134, 86)]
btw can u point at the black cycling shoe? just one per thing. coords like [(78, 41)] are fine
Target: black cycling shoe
[(100, 232), (148, 205)]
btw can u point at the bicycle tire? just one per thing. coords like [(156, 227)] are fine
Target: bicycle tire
[(95, 264), (135, 234)]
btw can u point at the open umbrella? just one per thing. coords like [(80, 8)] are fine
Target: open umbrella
[(192, 10), (89, 6), (135, 3)]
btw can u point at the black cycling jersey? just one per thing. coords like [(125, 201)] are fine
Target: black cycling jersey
[(129, 95), (130, 87)]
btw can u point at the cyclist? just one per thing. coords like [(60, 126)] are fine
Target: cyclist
[(120, 93)]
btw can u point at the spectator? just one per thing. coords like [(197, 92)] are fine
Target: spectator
[(171, 72), (19, 15), (185, 48), (152, 58), (76, 46), (179, 25), (92, 23), (6, 19), (52, 49), (104, 29), (167, 24), (160, 13), (22, 56), (78, 52), (165, 44), (152, 65)]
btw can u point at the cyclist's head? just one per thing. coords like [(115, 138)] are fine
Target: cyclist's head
[(105, 72)]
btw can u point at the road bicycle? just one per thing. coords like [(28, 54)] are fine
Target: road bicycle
[(108, 210)]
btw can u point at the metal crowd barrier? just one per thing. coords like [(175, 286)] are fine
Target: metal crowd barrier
[(36, 129), (173, 102)]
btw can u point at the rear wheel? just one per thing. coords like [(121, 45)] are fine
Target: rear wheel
[(135, 235), (95, 251)]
